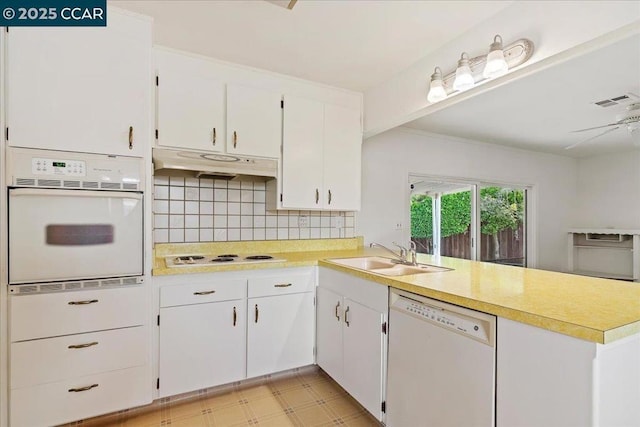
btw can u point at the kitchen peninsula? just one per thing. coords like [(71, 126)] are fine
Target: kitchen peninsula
[(574, 340)]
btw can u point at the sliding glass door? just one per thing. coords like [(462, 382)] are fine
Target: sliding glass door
[(470, 220)]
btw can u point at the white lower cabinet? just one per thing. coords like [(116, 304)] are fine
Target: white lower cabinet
[(280, 323), (91, 360), (351, 336), (225, 327), (202, 343)]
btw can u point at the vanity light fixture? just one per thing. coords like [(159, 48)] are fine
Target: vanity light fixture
[(496, 64), (436, 88), (473, 71), (464, 78)]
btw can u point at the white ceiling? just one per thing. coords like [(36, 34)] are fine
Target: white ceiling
[(538, 112), (353, 44)]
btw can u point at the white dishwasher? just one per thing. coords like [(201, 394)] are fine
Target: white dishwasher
[(441, 364)]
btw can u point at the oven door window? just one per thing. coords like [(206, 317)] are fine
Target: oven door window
[(74, 234)]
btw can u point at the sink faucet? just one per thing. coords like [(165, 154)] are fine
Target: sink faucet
[(404, 253)]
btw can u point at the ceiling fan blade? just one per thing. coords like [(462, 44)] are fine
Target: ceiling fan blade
[(597, 127), (590, 139)]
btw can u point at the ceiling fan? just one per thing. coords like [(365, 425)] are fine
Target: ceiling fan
[(630, 120)]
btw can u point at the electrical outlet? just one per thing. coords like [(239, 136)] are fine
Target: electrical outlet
[(398, 226), (303, 221)]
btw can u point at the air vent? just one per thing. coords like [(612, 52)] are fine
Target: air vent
[(129, 186), (71, 286), (50, 288), (49, 183), (110, 185), (71, 184), (26, 181), (617, 100), (89, 184)]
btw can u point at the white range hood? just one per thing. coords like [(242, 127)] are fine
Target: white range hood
[(222, 166)]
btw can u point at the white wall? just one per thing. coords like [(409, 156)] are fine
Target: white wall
[(554, 27), (608, 191), (390, 157)]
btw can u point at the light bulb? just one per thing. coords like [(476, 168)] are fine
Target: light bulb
[(496, 65), (437, 91), (464, 78)]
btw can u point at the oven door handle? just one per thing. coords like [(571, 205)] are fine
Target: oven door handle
[(68, 192)]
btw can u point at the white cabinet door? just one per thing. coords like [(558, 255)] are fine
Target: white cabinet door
[(254, 121), (329, 321), (81, 89), (201, 345), (190, 103), (302, 153), (279, 333), (342, 157), (364, 348)]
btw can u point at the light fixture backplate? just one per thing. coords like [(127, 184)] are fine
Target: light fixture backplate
[(515, 54)]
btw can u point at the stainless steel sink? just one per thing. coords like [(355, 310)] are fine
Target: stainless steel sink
[(387, 267)]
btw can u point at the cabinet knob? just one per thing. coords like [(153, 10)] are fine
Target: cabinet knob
[(346, 312), (130, 137), (89, 344), (85, 302), (76, 390)]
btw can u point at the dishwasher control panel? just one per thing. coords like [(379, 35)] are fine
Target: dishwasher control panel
[(457, 322)]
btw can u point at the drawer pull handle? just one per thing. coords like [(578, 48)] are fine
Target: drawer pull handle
[(85, 302), (89, 344), (256, 321), (214, 136), (235, 139), (329, 196), (282, 285), (77, 390), (235, 316), (337, 308), (204, 293), (317, 196), (345, 316), (130, 137)]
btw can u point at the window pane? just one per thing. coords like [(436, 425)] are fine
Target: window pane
[(422, 223), (502, 225), (455, 224)]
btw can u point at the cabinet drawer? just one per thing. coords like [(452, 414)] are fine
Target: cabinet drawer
[(279, 285), (54, 403), (195, 293), (48, 315), (74, 356)]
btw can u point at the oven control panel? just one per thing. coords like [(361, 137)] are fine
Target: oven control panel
[(42, 166)]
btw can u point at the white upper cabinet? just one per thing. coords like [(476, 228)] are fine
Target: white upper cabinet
[(254, 121), (190, 103), (342, 158), (303, 128), (321, 155), (81, 89)]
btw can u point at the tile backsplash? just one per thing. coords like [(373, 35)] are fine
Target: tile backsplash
[(207, 210)]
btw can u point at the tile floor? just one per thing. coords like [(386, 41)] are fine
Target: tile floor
[(306, 397)]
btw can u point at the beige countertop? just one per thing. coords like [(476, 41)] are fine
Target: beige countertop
[(593, 309)]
